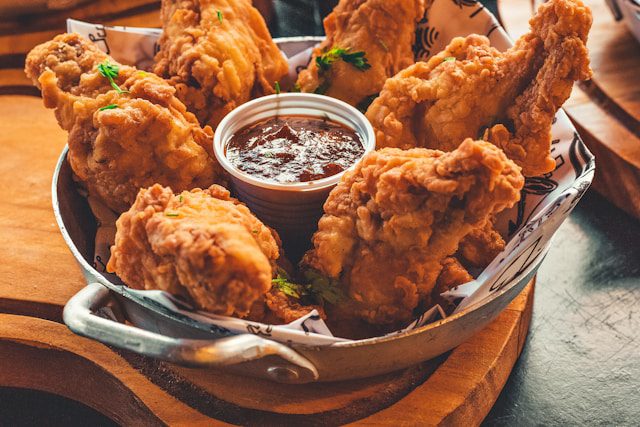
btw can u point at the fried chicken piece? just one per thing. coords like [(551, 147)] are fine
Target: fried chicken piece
[(391, 222), (471, 86), (383, 29), (482, 245), (202, 243), (218, 54), (453, 274), (286, 309), (120, 142), (277, 308)]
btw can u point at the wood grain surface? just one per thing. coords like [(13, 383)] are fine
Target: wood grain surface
[(605, 110), (38, 275)]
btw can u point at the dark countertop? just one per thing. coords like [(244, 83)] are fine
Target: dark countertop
[(581, 362)]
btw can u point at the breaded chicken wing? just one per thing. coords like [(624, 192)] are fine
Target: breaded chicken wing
[(482, 245), (382, 30), (391, 222), (471, 86), (285, 309), (201, 243), (218, 54), (122, 136)]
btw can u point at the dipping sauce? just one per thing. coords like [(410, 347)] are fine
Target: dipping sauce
[(288, 149)]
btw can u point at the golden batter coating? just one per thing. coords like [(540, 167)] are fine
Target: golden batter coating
[(200, 243), (120, 140)]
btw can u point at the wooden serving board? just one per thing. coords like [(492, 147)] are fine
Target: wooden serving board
[(605, 110), (38, 275)]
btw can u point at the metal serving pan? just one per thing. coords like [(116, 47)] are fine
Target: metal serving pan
[(156, 332), (150, 329)]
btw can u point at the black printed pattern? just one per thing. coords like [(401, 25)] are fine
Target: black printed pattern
[(100, 36), (581, 160), (259, 330), (426, 37), (103, 266), (520, 264), (539, 186), (305, 327)]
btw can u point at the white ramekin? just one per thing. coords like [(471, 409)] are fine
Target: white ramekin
[(293, 209)]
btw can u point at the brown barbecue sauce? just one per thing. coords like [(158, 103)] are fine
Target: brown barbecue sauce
[(289, 149)]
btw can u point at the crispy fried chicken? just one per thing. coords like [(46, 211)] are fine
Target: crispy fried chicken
[(120, 139), (384, 30), (201, 243), (218, 54), (471, 86), (393, 220)]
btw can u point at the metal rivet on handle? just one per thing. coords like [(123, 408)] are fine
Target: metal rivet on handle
[(282, 374)]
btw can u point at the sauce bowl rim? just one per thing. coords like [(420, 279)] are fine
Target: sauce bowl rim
[(221, 137)]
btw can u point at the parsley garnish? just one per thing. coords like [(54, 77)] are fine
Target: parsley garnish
[(219, 16), (449, 59), (108, 107), (172, 214), (297, 88), (277, 86), (110, 71), (324, 62), (319, 287), (324, 287), (357, 59), (286, 286), (180, 198)]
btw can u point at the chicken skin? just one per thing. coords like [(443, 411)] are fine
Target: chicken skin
[(218, 54), (383, 31), (392, 221), (470, 87), (482, 245), (122, 136), (281, 308), (203, 244)]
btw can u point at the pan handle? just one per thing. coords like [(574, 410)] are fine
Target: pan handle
[(78, 316)]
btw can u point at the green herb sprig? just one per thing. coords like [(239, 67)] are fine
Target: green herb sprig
[(110, 71), (324, 287), (449, 59), (277, 87), (284, 285), (108, 107), (329, 57), (319, 287), (220, 17), (357, 59)]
